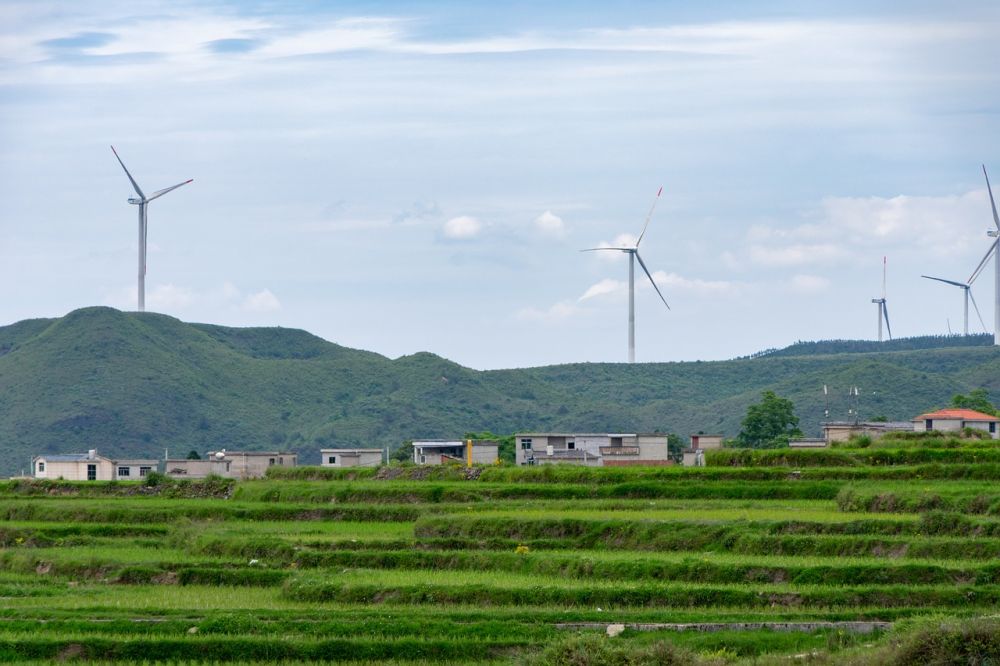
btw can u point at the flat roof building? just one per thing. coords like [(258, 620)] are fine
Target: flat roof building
[(593, 449), (444, 451), (350, 457)]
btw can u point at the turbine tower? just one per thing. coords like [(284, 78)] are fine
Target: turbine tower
[(633, 255), (966, 287), (142, 202), (883, 312), (995, 251)]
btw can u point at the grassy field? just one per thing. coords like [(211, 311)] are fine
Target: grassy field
[(742, 564)]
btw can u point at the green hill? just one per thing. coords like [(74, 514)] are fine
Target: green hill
[(136, 384)]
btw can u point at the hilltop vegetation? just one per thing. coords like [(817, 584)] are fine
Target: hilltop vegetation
[(136, 384)]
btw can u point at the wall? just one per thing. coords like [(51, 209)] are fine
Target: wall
[(75, 471)]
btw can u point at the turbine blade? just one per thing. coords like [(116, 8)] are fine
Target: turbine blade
[(649, 215), (978, 314), (134, 184), (885, 314), (957, 284), (996, 218), (982, 264), (651, 280), (159, 193), (599, 249)]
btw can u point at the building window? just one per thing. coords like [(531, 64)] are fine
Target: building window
[(91, 472), (281, 461), (332, 460), (124, 471), (525, 443), (423, 458), (928, 424), (271, 462), (143, 471), (993, 426), (571, 446), (41, 466)]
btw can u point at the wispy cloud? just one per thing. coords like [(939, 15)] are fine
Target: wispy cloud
[(463, 227)]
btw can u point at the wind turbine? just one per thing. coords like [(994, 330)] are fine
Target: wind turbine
[(883, 312), (995, 251), (142, 202), (967, 288), (633, 255)]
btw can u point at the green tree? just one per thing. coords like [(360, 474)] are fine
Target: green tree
[(675, 446), (770, 423), (193, 455), (404, 453), (978, 399)]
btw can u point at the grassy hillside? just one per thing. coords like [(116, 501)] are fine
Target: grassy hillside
[(136, 384)]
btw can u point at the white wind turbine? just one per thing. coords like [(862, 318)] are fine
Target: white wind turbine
[(883, 311), (995, 251), (967, 289), (633, 255), (142, 202)]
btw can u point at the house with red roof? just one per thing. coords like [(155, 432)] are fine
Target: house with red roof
[(956, 420)]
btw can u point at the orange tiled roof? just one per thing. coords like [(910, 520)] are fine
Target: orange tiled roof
[(957, 415)]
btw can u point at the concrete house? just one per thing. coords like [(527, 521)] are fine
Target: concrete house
[(694, 456), (231, 464), (444, 451), (956, 420), (593, 449), (350, 457), (841, 431), (182, 468), (132, 470), (89, 466)]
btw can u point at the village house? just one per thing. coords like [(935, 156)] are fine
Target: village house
[(694, 456), (593, 449), (465, 452), (350, 457), (841, 431), (230, 464), (89, 466), (956, 420)]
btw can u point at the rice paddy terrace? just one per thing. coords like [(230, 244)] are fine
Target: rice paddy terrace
[(853, 555)]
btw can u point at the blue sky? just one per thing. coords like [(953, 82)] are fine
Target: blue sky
[(420, 176)]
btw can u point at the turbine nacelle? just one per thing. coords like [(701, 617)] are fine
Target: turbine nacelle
[(992, 233), (134, 201)]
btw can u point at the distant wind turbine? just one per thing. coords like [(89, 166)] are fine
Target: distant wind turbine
[(883, 311), (633, 255), (967, 289), (142, 202), (995, 251)]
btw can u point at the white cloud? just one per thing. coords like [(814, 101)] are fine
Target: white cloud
[(185, 301), (555, 313), (462, 227), (168, 297), (795, 255), (550, 224), (262, 301), (606, 287), (808, 284), (674, 282), (862, 226)]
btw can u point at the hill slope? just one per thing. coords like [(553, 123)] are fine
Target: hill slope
[(136, 384)]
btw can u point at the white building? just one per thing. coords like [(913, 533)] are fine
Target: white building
[(956, 420), (350, 457), (89, 466), (593, 449), (231, 464)]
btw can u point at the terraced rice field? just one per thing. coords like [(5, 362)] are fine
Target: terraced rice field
[(716, 565)]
